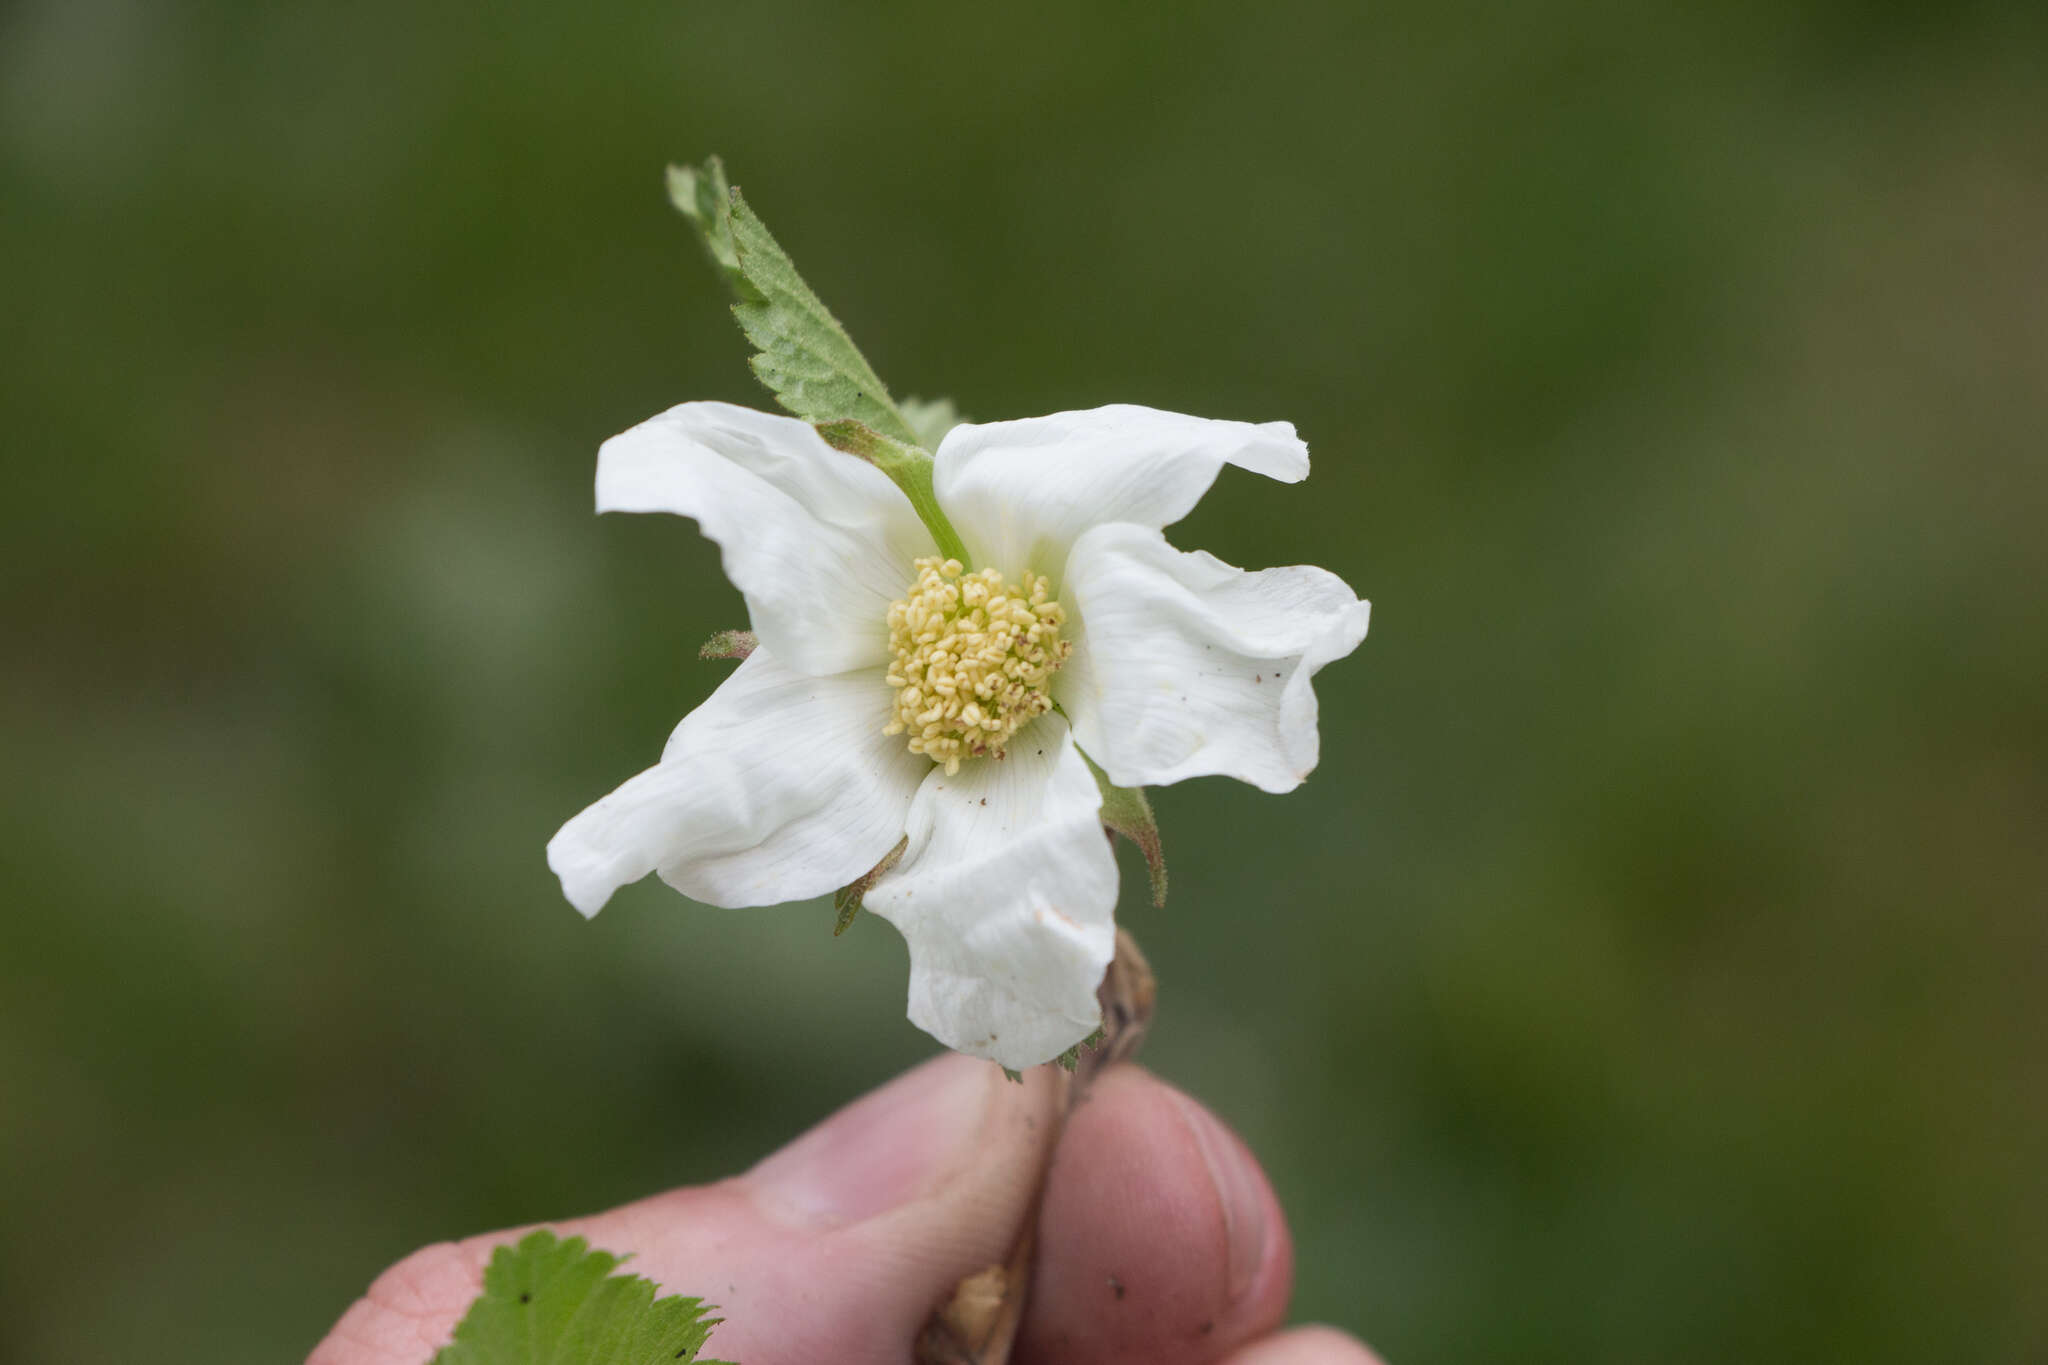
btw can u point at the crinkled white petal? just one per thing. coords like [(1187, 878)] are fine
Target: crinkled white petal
[(1188, 667), (781, 786), (1021, 493), (818, 541), (1006, 897)]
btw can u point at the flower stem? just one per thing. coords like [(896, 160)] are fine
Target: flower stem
[(908, 467)]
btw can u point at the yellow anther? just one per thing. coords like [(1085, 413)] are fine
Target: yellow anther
[(974, 657)]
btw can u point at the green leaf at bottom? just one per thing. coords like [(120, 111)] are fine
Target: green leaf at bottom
[(550, 1302)]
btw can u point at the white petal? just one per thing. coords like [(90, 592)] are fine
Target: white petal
[(1194, 667), (779, 787), (1006, 897), (1021, 493), (818, 541)]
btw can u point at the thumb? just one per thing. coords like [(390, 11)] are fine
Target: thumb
[(864, 1224), (835, 1248)]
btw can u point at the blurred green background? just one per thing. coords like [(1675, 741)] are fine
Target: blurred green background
[(1655, 970)]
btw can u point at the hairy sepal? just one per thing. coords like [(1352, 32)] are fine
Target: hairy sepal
[(1127, 812), (846, 901), (729, 644)]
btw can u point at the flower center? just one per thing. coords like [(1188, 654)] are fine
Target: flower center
[(973, 659)]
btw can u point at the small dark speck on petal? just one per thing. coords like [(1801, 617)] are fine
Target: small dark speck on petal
[(984, 800), (1207, 1328), (1116, 1286)]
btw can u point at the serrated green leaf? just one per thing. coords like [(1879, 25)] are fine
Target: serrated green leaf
[(701, 194), (551, 1302), (1071, 1058), (803, 355), (930, 418)]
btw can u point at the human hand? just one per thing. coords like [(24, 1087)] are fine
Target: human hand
[(1159, 1239)]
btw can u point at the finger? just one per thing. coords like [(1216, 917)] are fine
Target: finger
[(1159, 1238), (1306, 1346), (835, 1248)]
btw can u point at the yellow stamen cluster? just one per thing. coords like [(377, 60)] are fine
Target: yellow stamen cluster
[(973, 659)]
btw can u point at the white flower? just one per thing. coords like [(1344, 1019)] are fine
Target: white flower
[(1076, 627)]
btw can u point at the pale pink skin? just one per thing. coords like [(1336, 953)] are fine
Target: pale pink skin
[(1160, 1239)]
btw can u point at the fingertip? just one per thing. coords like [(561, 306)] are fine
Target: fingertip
[(1160, 1238), (839, 1245), (408, 1312), (1259, 1256), (897, 1143), (1316, 1345)]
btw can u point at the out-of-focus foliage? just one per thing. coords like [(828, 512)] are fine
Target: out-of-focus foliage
[(1654, 969)]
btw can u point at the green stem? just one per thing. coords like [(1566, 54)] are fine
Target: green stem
[(908, 467)]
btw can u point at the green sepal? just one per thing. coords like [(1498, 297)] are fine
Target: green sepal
[(558, 1301), (729, 644), (908, 467), (1125, 811), (1010, 1075), (1071, 1058), (846, 901)]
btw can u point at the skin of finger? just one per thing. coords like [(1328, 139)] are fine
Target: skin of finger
[(1306, 1346), (789, 1292), (1134, 1254)]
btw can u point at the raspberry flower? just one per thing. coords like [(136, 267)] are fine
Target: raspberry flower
[(953, 666)]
